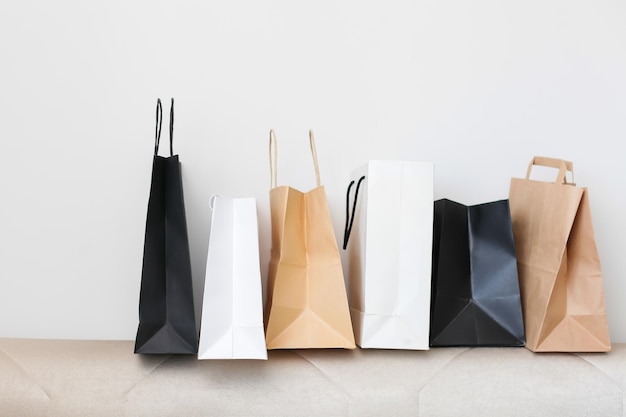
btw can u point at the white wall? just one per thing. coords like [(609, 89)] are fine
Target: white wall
[(479, 87)]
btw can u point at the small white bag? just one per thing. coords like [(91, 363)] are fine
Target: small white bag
[(232, 306), (391, 254)]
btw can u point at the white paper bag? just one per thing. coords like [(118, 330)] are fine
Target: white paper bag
[(390, 253), (232, 307)]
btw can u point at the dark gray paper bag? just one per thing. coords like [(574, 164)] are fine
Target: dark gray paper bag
[(475, 289)]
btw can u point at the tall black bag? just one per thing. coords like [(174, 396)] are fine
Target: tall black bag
[(475, 297), (166, 313)]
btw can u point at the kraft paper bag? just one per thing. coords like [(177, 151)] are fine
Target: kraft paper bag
[(558, 263), (475, 288), (232, 306), (390, 236), (307, 305), (166, 313)]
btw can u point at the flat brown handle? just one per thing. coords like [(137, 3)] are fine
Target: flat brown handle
[(562, 165)]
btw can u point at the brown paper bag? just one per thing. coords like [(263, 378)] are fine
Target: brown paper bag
[(307, 305), (558, 264)]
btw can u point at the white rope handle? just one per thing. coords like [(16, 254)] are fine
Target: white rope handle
[(314, 153), (273, 158)]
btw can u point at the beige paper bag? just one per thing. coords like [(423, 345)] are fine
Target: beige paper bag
[(558, 264), (307, 305)]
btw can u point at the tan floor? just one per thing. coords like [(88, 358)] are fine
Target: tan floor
[(104, 378)]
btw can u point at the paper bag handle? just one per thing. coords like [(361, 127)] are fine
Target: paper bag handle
[(212, 200), (159, 122), (562, 165), (350, 218), (274, 158), (314, 153)]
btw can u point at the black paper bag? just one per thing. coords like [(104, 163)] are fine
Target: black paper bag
[(475, 297), (166, 312)]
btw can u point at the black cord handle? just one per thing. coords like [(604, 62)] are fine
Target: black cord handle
[(172, 128), (159, 122), (350, 218)]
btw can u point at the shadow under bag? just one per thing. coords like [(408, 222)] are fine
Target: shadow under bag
[(475, 287), (166, 314)]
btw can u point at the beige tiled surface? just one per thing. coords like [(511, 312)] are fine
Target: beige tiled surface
[(104, 378)]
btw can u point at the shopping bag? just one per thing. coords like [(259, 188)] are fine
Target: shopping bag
[(232, 306), (475, 288), (390, 235), (307, 305), (558, 263), (166, 312)]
